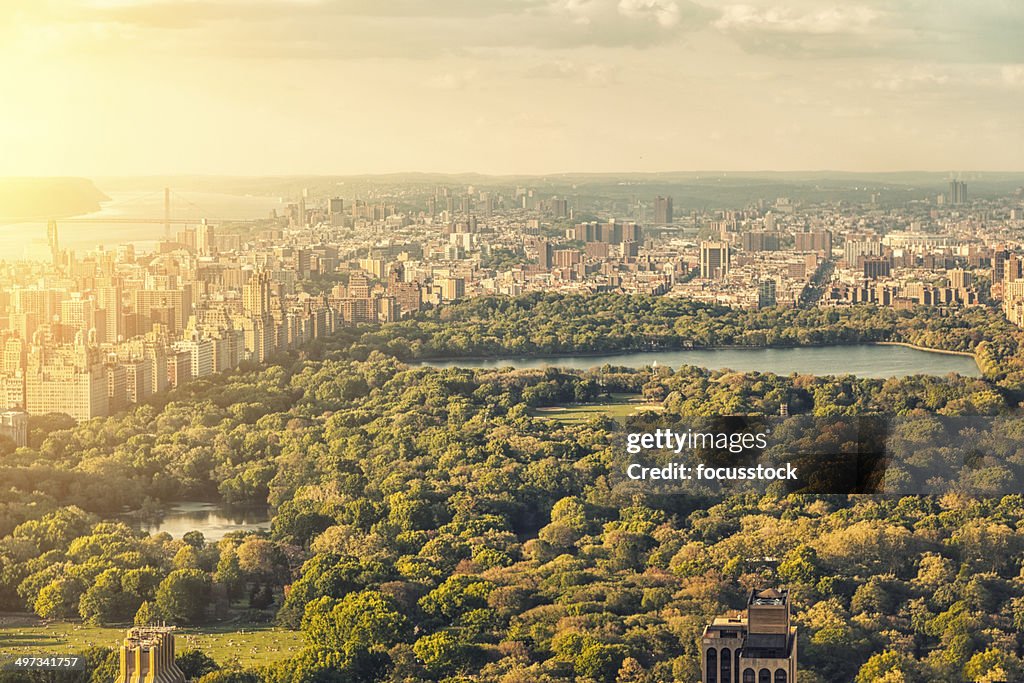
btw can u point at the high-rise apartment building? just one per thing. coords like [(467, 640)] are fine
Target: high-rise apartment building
[(663, 210), (171, 307), (77, 315), (14, 426), (957, 192), (108, 299), (759, 240), (358, 286), (66, 379), (256, 295), (856, 250), (766, 296), (714, 260), (816, 241), (453, 289)]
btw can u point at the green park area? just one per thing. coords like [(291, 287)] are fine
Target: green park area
[(616, 406), (249, 646)]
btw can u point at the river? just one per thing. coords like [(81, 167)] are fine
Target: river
[(863, 360), (28, 240)]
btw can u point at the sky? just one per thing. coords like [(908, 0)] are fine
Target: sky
[(283, 87)]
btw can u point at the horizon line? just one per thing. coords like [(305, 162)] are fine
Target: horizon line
[(532, 174)]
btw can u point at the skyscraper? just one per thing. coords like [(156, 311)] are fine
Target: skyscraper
[(301, 209), (206, 239), (714, 260), (818, 240), (108, 298), (171, 307), (52, 241), (256, 295), (857, 249), (663, 210), (766, 297), (957, 192), (336, 211), (544, 252), (358, 286)]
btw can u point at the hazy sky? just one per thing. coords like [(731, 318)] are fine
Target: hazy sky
[(108, 87)]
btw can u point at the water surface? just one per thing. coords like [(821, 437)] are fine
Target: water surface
[(863, 360), (213, 520), (28, 240)]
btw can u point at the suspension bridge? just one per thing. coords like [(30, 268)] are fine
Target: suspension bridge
[(146, 205)]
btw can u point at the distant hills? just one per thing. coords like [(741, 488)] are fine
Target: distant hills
[(691, 190), (42, 198)]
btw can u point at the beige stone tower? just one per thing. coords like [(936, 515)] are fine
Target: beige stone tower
[(147, 656), (756, 647)]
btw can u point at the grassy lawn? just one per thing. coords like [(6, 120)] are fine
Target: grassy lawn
[(251, 645), (618, 406)]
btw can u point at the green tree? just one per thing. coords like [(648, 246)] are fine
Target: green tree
[(993, 666), (442, 653), (184, 596), (59, 599), (195, 663), (104, 602), (368, 618)]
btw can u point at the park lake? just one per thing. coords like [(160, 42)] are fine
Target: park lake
[(862, 360)]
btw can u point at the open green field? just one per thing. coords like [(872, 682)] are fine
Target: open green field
[(617, 407), (250, 645)]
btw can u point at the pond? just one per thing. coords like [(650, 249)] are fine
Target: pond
[(213, 520)]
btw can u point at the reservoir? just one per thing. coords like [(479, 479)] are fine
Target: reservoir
[(862, 360)]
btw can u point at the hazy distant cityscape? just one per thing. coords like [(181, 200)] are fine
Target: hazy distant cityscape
[(89, 333)]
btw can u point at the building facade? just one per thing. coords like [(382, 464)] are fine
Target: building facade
[(147, 656), (758, 647)]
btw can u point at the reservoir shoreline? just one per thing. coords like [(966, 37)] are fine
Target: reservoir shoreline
[(862, 359), (717, 347)]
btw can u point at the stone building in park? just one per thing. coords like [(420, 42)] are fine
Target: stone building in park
[(147, 656), (756, 647)]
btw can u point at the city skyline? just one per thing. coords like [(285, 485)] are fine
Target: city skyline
[(282, 87)]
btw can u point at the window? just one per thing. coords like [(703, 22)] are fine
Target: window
[(726, 659), (748, 676), (764, 676), (712, 666), (780, 676)]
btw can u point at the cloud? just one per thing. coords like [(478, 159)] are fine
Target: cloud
[(826, 21), (1013, 74), (453, 80), (981, 31), (665, 12), (851, 112), (915, 78), (566, 69), (346, 29)]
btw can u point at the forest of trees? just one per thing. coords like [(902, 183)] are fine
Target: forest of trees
[(430, 526), (552, 324)]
